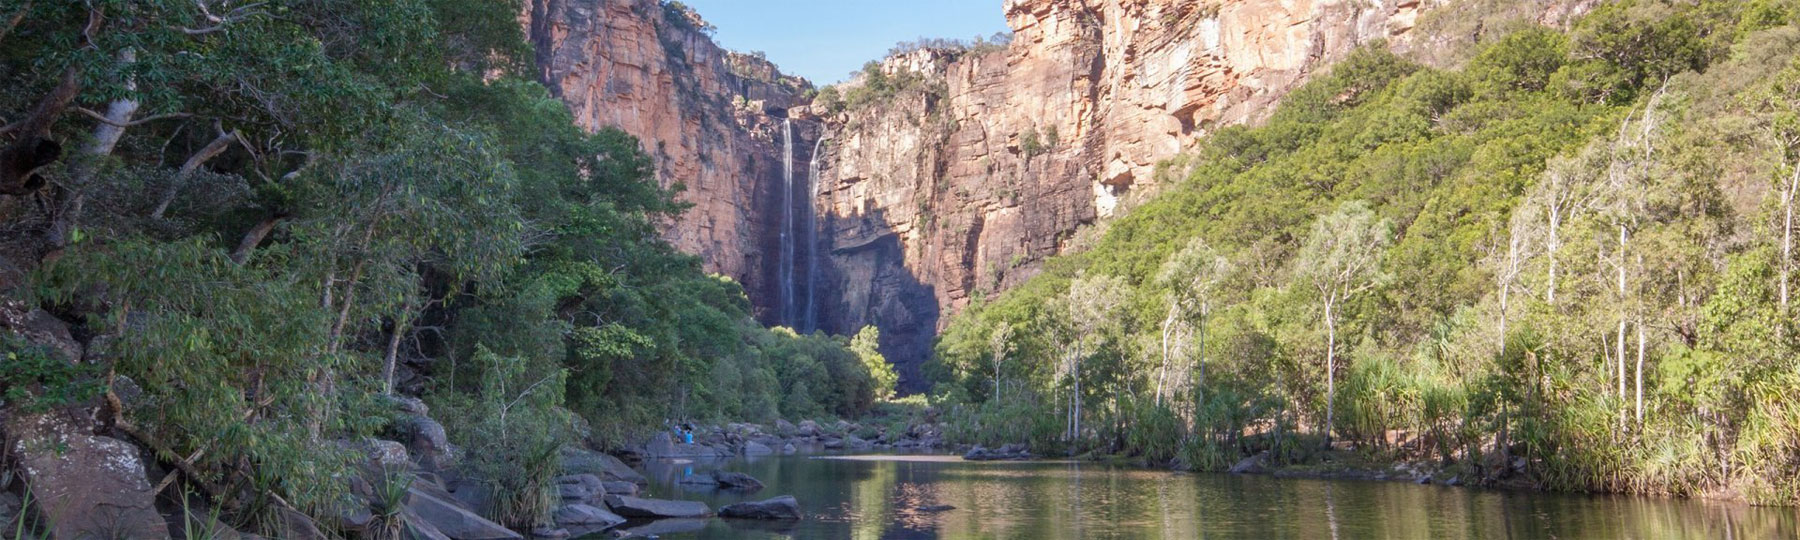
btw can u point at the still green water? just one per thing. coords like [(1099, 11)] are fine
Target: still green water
[(880, 496)]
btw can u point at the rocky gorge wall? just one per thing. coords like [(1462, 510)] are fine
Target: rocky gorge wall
[(711, 119), (983, 164)]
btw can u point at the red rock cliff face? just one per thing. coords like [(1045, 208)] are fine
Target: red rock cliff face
[(711, 119), (958, 187)]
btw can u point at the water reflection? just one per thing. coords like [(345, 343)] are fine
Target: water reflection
[(885, 498)]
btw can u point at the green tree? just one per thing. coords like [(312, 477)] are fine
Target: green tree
[(1342, 260)]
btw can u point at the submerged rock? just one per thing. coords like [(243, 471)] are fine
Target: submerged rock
[(783, 507), (634, 507)]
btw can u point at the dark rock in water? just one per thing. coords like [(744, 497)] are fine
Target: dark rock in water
[(789, 449), (737, 480), (834, 444), (1423, 480), (937, 508), (856, 443), (724, 480), (665, 526), (634, 507), (85, 485), (783, 507), (582, 519), (754, 448), (1008, 452), (550, 533), (1251, 465), (454, 520)]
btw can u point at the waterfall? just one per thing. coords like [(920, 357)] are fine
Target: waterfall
[(811, 315), (788, 307)]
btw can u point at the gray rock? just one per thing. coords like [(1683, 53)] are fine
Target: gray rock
[(413, 527), (856, 443), (581, 489), (615, 487), (634, 507), (783, 507), (454, 520), (789, 449), (582, 519), (724, 480), (39, 327), (808, 428), (578, 461), (97, 484), (785, 427), (754, 448), (1251, 465), (550, 533), (426, 439)]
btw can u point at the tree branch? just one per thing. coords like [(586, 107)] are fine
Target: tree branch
[(219, 22), (108, 121)]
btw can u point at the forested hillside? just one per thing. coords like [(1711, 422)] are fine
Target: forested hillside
[(1564, 263), (246, 230)]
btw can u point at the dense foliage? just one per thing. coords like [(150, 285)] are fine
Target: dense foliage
[(1563, 264), (268, 216)]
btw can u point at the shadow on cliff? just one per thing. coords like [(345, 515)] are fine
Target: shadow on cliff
[(863, 280)]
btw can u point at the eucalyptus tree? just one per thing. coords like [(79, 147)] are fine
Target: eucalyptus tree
[(1190, 280), (1341, 260), (1088, 314)]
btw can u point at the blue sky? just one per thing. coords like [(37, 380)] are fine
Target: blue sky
[(824, 40)]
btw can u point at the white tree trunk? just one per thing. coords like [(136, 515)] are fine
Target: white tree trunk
[(1787, 234), (1640, 373), (1162, 373), (1330, 371)]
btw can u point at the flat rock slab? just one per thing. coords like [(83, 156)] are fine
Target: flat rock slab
[(783, 507), (634, 507), (581, 519), (453, 520)]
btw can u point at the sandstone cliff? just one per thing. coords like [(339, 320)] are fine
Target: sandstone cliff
[(712, 119), (989, 162), (972, 166)]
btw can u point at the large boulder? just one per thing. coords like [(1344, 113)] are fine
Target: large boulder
[(754, 448), (578, 461), (634, 507), (783, 507), (808, 428), (428, 442), (40, 327), (582, 519), (87, 486), (581, 489), (1256, 464), (452, 519)]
